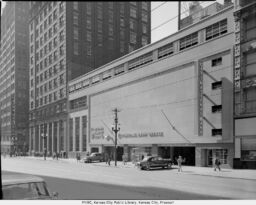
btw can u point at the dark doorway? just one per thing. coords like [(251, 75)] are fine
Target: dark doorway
[(185, 152), (111, 150), (94, 149), (120, 152), (164, 152)]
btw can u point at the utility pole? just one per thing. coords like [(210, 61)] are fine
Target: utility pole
[(116, 129), (179, 14)]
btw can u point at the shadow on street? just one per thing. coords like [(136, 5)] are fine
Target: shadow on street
[(82, 190)]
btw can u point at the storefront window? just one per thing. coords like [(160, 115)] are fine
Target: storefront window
[(248, 151), (70, 134), (222, 154), (248, 155), (77, 129), (138, 153), (84, 121)]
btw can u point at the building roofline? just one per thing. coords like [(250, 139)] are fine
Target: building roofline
[(152, 44)]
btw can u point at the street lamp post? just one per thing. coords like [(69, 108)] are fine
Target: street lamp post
[(116, 130), (13, 140), (44, 137)]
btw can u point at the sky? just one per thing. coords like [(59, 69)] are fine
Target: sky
[(166, 10)]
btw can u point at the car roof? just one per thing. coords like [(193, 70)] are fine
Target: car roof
[(10, 179)]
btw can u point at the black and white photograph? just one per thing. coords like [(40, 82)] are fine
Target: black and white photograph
[(128, 102)]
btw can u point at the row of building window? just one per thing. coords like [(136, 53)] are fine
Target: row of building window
[(51, 72), (49, 98), (49, 111), (52, 84), (167, 50), (78, 103), (48, 61), (216, 29), (7, 38), (46, 11), (74, 128)]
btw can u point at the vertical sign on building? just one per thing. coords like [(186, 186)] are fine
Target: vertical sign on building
[(200, 98), (237, 64)]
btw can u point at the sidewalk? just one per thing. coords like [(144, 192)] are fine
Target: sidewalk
[(247, 174)]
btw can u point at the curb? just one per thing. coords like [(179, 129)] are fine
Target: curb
[(226, 177), (133, 166)]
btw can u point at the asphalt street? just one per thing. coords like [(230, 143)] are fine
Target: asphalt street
[(89, 181), (81, 190)]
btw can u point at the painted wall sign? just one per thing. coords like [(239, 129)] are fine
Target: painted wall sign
[(97, 133), (142, 134)]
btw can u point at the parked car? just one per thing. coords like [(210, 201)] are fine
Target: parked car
[(95, 156), (153, 162), (24, 186)]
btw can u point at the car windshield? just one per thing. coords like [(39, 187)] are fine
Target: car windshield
[(146, 158), (25, 191), (92, 154)]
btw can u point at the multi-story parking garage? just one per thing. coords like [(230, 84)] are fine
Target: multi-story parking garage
[(174, 97)]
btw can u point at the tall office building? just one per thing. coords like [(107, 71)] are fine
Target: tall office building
[(14, 77), (68, 39), (245, 84)]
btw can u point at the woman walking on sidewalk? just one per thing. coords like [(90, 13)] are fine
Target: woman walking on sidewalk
[(179, 161), (217, 164)]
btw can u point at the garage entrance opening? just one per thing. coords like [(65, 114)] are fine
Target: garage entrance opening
[(164, 152), (185, 152)]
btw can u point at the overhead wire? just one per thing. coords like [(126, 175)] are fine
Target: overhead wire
[(158, 6), (173, 18), (152, 10)]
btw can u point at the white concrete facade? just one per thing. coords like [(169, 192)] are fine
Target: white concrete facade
[(175, 96)]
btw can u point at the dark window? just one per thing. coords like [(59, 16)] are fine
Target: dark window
[(84, 123), (77, 132), (189, 41), (78, 103), (217, 61), (216, 108), (216, 132), (216, 29), (70, 134), (165, 50), (216, 85)]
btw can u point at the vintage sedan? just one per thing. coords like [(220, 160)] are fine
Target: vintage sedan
[(95, 156), (154, 162), (24, 186)]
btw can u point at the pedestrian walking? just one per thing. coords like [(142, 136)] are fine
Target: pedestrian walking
[(217, 164), (124, 157), (77, 157), (109, 160), (179, 161)]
